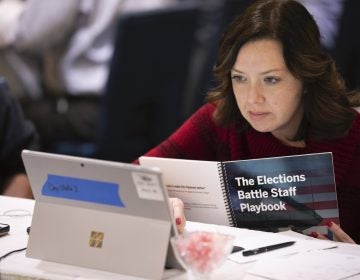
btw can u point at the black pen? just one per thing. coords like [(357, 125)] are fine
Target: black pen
[(266, 248)]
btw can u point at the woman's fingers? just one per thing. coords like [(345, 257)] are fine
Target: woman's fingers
[(338, 233), (177, 207), (318, 235)]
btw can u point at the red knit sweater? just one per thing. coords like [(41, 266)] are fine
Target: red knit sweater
[(200, 138)]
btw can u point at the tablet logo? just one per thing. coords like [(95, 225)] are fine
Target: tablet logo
[(96, 239)]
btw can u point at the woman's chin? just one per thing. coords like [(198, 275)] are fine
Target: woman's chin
[(259, 128)]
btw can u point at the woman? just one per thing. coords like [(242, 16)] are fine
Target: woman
[(277, 94)]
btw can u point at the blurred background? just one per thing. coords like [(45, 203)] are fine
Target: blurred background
[(111, 79)]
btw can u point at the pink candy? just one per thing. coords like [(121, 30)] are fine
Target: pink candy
[(202, 251)]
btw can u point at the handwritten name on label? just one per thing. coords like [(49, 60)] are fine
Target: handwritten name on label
[(148, 186), (83, 190)]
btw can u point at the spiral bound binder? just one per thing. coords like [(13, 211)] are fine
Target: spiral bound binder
[(268, 194), (225, 191)]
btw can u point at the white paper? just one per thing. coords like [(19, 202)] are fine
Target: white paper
[(197, 183), (318, 264), (271, 239), (252, 239)]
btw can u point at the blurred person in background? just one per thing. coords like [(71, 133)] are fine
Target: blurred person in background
[(16, 134), (338, 21), (327, 14), (56, 55)]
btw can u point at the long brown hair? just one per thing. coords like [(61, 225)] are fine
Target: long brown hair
[(327, 109)]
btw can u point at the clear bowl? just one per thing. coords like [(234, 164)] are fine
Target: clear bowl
[(202, 252)]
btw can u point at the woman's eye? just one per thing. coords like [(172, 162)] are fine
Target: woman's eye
[(238, 78), (271, 80)]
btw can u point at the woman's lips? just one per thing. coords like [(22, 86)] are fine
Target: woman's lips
[(257, 116)]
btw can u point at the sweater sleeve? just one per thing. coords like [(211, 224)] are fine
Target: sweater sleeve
[(193, 140), (349, 198)]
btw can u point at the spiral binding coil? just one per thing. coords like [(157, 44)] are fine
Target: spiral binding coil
[(226, 195)]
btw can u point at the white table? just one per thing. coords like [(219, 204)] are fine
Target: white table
[(17, 213)]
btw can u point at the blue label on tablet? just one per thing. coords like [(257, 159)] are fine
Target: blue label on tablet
[(83, 190)]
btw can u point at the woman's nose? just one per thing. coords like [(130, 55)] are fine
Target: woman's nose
[(255, 94)]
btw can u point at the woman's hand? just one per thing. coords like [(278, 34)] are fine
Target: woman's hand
[(18, 186), (338, 233), (177, 206)]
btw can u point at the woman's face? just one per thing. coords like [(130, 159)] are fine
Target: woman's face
[(267, 94)]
